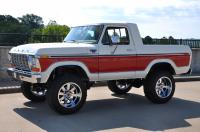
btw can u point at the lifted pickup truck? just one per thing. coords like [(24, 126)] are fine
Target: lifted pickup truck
[(112, 52)]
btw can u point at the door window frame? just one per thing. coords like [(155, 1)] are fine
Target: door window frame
[(115, 27)]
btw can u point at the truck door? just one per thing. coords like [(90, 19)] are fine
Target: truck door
[(116, 60)]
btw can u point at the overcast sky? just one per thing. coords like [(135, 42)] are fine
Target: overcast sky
[(157, 18)]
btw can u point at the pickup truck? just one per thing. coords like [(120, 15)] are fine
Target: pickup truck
[(110, 52)]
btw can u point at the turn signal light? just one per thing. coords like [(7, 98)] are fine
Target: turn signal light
[(35, 69)]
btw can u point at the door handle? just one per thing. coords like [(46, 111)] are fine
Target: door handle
[(129, 50)]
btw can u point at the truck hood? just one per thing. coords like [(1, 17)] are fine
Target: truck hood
[(54, 49)]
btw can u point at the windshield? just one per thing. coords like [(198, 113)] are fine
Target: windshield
[(84, 34)]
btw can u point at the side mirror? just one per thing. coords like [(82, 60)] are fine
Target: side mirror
[(115, 39)]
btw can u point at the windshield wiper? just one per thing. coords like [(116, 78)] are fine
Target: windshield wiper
[(72, 41)]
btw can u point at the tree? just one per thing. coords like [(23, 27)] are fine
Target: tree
[(8, 19), (172, 40), (12, 31), (51, 33), (148, 40), (56, 30), (164, 41), (170, 37), (9, 24), (32, 21), (17, 31), (52, 22)]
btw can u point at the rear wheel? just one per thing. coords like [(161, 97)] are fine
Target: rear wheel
[(33, 92), (67, 94), (159, 87), (120, 86)]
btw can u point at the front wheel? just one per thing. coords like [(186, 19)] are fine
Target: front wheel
[(159, 87), (120, 86), (67, 94)]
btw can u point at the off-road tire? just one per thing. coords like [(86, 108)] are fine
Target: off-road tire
[(26, 91), (53, 91), (150, 86)]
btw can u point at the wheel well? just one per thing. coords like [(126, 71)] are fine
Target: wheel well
[(69, 69), (162, 67)]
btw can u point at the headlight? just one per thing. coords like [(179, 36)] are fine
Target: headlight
[(33, 63), (30, 61)]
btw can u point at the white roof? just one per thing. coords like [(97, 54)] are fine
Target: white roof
[(106, 24)]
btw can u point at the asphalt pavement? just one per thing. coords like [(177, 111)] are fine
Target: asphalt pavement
[(105, 111)]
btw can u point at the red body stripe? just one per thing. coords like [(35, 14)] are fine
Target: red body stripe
[(179, 60), (117, 63), (90, 62), (97, 64)]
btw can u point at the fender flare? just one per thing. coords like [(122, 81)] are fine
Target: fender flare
[(46, 74), (157, 61)]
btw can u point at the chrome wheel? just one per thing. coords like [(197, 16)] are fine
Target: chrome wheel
[(164, 87), (69, 95), (122, 85)]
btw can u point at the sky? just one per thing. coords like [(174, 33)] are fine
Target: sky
[(157, 18)]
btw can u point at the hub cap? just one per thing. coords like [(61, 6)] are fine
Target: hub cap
[(122, 85), (164, 87), (69, 95)]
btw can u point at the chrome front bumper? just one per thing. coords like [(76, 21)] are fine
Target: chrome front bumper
[(24, 76)]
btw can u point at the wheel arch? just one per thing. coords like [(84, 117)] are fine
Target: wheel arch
[(69, 66), (165, 65), (73, 69)]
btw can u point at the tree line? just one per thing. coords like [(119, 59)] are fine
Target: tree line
[(30, 28), (163, 40)]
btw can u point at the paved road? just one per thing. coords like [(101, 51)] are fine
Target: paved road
[(106, 112)]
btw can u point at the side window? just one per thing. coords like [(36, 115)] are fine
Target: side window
[(116, 31)]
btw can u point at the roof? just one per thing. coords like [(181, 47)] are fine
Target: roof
[(106, 24)]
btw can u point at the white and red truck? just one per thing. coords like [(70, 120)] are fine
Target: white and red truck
[(112, 52)]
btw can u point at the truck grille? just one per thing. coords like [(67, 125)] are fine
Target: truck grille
[(20, 61)]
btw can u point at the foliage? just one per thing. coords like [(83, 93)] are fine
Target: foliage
[(163, 40), (18, 30), (52, 22), (53, 31), (8, 19), (167, 41), (56, 30), (8, 25), (172, 40), (32, 21), (148, 40)]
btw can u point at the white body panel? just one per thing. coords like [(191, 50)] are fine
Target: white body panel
[(54, 49)]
